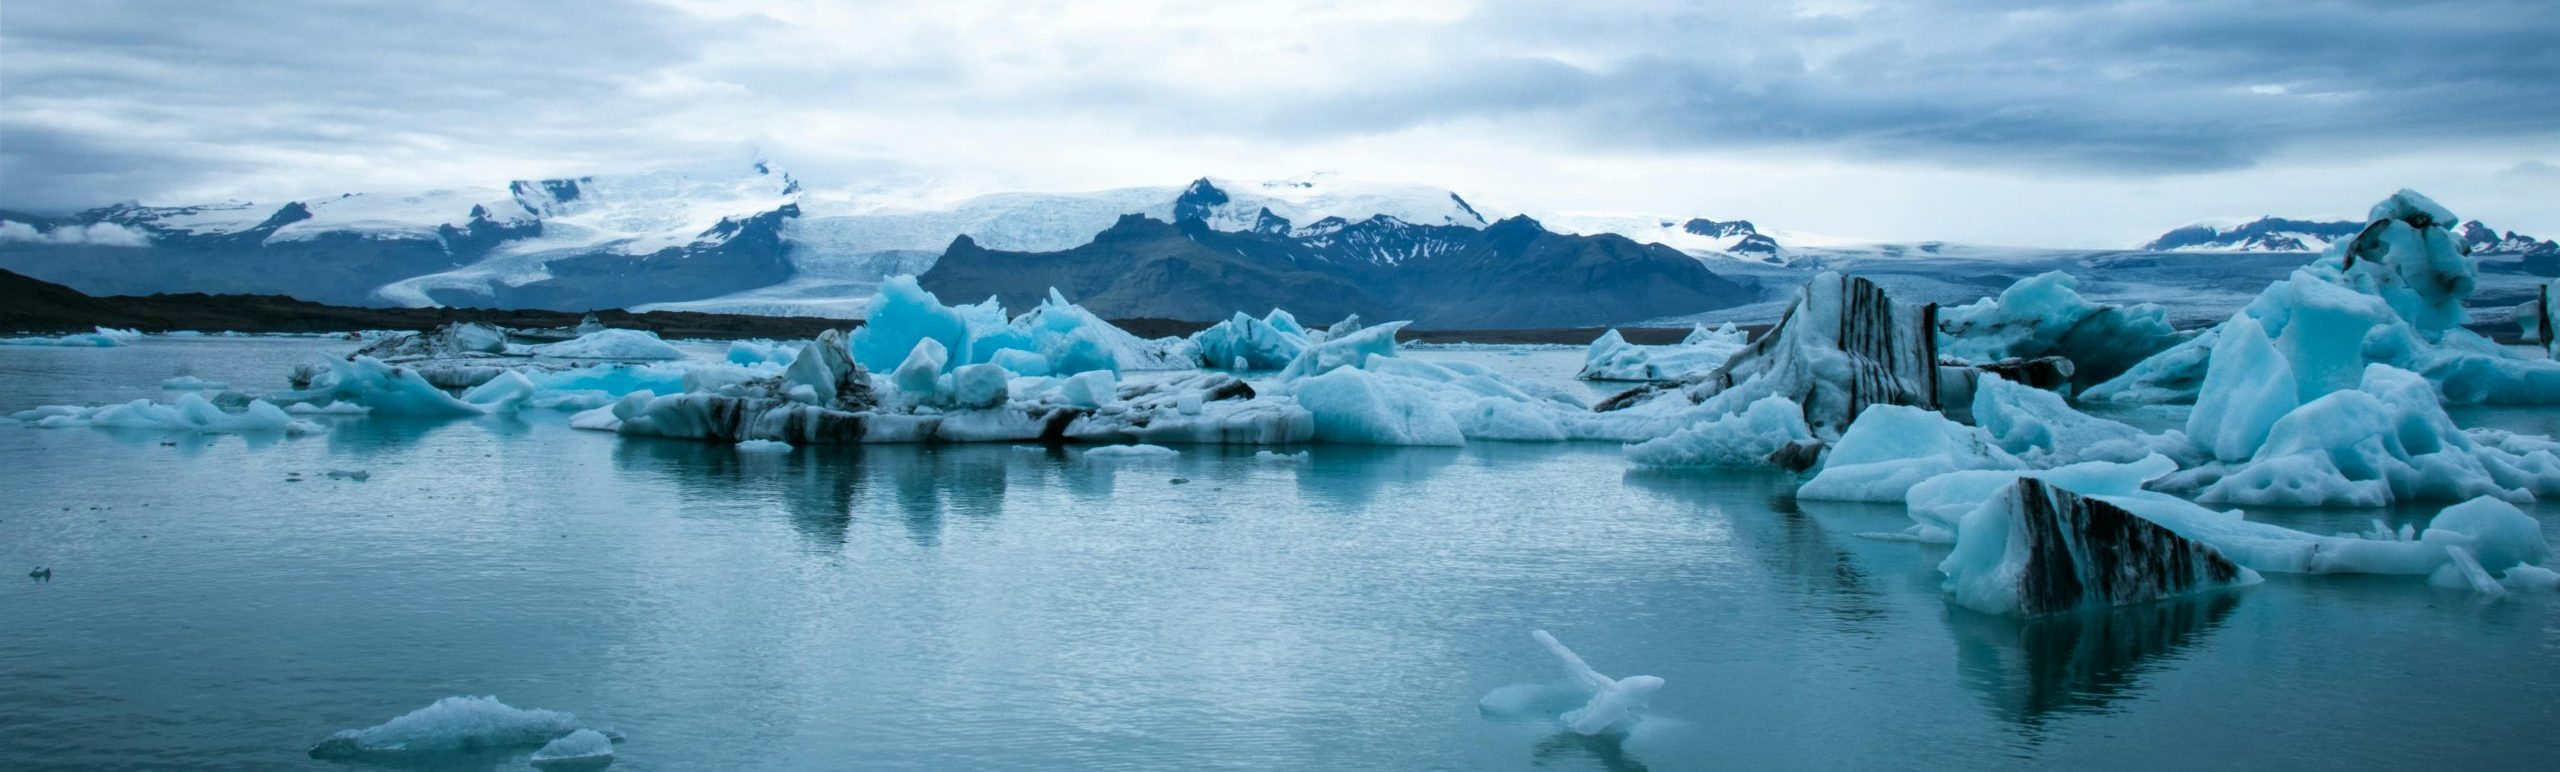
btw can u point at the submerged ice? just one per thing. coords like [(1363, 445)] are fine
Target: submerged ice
[(1586, 701)]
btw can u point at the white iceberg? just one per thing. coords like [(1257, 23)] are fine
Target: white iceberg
[(2391, 295), (2389, 440), (191, 412), (452, 724), (2037, 548), (191, 383), (1588, 702), (1057, 338), (105, 337), (1612, 358), (582, 749), (619, 345), (1892, 448)]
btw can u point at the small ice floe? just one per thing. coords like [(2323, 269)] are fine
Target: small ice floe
[(357, 475), (454, 725), (1587, 702), (763, 446), (580, 750), (1277, 457), (105, 337), (191, 383), (1118, 452)]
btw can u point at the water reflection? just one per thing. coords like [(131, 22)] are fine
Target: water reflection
[(1609, 750), (1791, 542), (2027, 670)]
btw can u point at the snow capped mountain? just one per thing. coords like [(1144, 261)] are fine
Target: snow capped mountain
[(2265, 234), (2278, 234)]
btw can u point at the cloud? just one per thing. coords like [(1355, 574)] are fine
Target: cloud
[(179, 102), (105, 234), (2534, 169)]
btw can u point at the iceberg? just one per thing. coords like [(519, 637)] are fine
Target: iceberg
[(621, 345), (2387, 441), (1057, 338), (453, 724), (1892, 448), (2045, 316), (1246, 343), (2038, 549), (2043, 430), (579, 750), (191, 412), (1588, 702), (382, 388), (105, 337), (2391, 295), (1767, 427), (1612, 358), (1943, 508), (191, 383), (457, 339), (2539, 318), (1118, 452), (1842, 347)]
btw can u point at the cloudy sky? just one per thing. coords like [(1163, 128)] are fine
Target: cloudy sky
[(2003, 121)]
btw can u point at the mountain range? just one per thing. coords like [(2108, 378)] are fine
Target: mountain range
[(752, 239)]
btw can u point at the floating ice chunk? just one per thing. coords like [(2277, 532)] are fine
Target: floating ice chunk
[(1842, 346), (2042, 429), (457, 339), (1057, 338), (2039, 549), (624, 345), (2391, 295), (1131, 452), (2462, 572), (2247, 388), (582, 749), (2044, 315), (918, 375), (2539, 318), (2531, 578), (901, 315), (1349, 350), (451, 724), (1747, 438), (1089, 389), (1356, 406), (333, 408), (1276, 456), (2494, 533), (1598, 704), (103, 338), (1246, 343), (1937, 505), (191, 383), (757, 352), (506, 392), (2389, 440), (388, 390), (980, 385), (1892, 447), (191, 412), (763, 446), (1612, 358)]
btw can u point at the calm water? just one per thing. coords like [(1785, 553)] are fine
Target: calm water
[(987, 607)]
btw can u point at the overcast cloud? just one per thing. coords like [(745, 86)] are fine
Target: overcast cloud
[(2005, 121)]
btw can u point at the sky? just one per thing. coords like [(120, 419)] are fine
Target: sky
[(1989, 121)]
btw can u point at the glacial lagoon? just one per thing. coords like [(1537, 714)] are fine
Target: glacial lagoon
[(222, 602)]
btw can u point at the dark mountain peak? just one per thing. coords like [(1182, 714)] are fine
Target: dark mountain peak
[(286, 215), (1516, 223), (539, 196), (2265, 234), (1463, 207), (1705, 227), (1265, 222), (1197, 201)]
